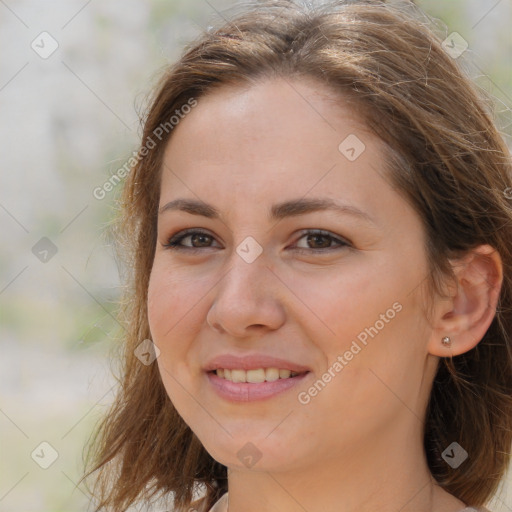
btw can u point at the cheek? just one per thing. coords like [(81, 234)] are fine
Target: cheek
[(172, 299), (167, 304), (161, 299), (371, 321), (339, 304), (177, 308), (365, 316), (171, 310)]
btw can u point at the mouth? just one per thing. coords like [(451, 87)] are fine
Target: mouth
[(243, 386), (255, 376), (251, 377)]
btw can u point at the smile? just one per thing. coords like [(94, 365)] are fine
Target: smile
[(254, 387), (255, 376)]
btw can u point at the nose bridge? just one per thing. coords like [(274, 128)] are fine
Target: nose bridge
[(245, 295), (247, 274)]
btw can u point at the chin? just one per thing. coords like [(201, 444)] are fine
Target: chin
[(239, 452)]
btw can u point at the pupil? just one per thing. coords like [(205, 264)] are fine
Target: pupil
[(315, 239), (198, 237)]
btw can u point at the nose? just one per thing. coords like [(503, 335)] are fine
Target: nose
[(247, 299)]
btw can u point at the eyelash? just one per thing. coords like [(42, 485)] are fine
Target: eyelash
[(174, 241)]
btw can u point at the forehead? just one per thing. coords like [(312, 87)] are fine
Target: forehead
[(270, 141), (281, 111)]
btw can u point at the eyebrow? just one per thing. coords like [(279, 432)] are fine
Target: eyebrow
[(278, 211)]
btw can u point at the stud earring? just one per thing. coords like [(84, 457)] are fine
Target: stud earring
[(446, 341)]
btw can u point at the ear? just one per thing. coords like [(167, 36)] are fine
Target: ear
[(470, 310)]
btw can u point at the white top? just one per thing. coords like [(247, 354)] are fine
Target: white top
[(222, 506)]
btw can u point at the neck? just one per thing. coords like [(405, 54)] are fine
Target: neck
[(386, 475)]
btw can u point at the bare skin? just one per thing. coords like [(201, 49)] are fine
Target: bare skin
[(356, 445)]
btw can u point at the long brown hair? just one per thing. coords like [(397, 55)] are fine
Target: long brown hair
[(445, 156)]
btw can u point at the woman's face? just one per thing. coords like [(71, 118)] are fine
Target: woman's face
[(334, 289)]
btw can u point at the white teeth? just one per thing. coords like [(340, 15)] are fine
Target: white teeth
[(238, 376), (272, 374), (255, 376)]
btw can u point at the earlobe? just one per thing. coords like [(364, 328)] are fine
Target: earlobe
[(462, 322)]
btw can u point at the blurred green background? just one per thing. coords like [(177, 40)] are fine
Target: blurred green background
[(69, 121)]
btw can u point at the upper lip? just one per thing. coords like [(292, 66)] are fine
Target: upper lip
[(252, 362)]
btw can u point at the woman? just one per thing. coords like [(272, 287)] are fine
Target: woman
[(319, 317)]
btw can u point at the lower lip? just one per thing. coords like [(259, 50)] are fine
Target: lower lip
[(249, 392)]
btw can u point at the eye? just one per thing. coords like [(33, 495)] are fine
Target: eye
[(322, 241), (197, 238)]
